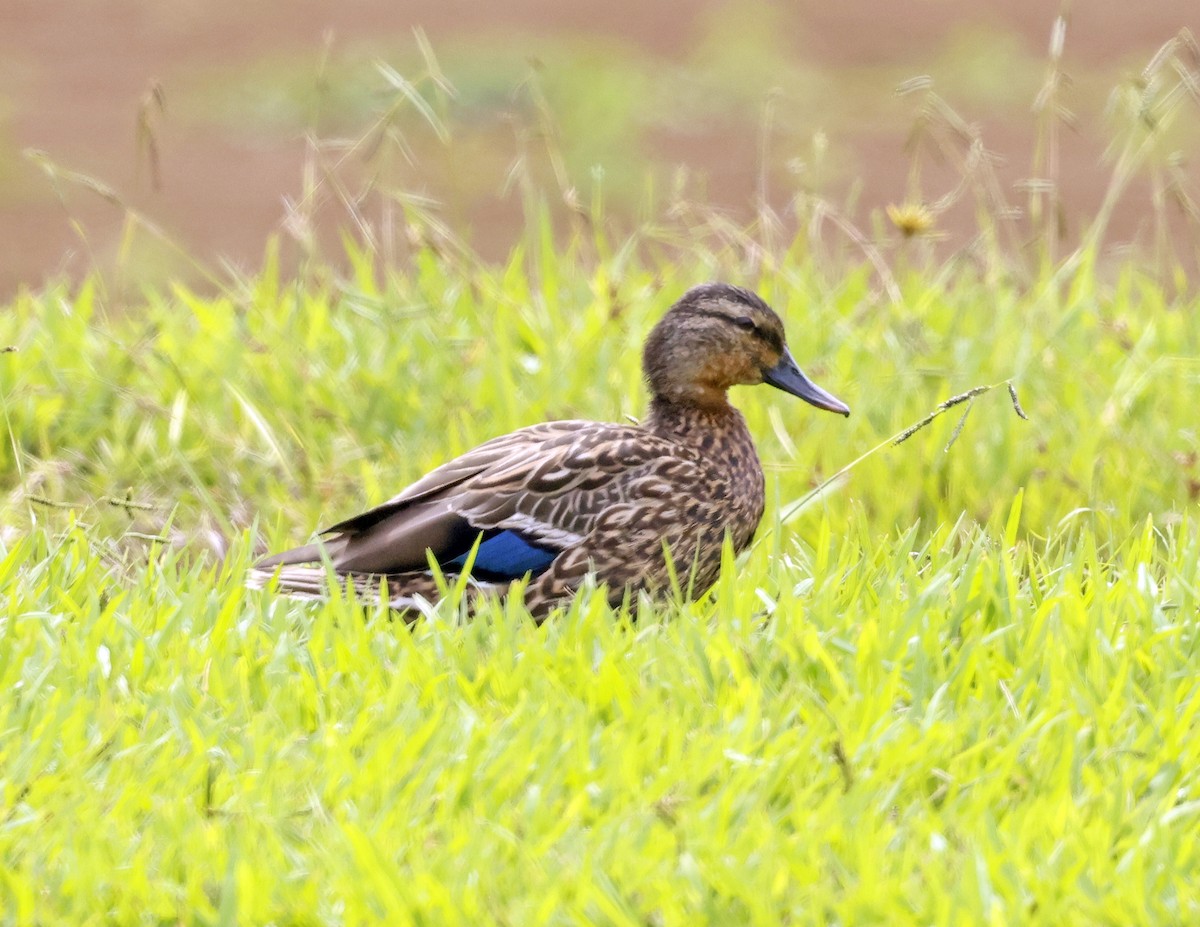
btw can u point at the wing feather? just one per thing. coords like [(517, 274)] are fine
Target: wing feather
[(548, 484)]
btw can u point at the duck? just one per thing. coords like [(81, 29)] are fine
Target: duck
[(636, 507)]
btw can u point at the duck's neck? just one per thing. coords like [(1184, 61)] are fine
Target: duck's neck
[(699, 425)]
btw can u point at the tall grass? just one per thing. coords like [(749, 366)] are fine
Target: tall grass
[(956, 684)]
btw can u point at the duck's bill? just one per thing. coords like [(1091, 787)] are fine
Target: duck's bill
[(787, 376)]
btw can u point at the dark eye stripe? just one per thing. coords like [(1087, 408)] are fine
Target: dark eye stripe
[(770, 338)]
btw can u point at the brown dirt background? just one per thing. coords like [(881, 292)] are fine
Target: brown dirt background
[(72, 75)]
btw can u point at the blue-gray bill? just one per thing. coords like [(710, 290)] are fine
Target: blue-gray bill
[(787, 376)]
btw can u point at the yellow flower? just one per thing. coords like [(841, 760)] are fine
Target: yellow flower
[(910, 218)]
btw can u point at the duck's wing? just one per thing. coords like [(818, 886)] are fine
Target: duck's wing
[(529, 495)]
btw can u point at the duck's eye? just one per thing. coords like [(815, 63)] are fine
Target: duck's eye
[(745, 323)]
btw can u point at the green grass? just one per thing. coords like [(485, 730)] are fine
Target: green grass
[(960, 687)]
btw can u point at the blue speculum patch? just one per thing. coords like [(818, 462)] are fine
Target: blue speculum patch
[(506, 555)]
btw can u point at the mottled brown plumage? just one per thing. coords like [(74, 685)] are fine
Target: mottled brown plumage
[(558, 501)]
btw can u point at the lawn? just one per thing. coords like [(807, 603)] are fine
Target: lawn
[(958, 685)]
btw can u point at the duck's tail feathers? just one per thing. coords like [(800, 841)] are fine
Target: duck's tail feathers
[(403, 592), (302, 582), (313, 554)]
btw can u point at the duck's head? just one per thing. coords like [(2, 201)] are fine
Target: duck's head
[(718, 336)]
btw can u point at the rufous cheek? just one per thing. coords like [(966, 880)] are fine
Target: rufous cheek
[(732, 369)]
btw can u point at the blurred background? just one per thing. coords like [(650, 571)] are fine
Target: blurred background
[(217, 124)]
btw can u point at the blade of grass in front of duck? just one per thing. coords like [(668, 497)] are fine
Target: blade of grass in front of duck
[(792, 509)]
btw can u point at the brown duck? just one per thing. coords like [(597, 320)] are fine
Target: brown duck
[(556, 502)]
